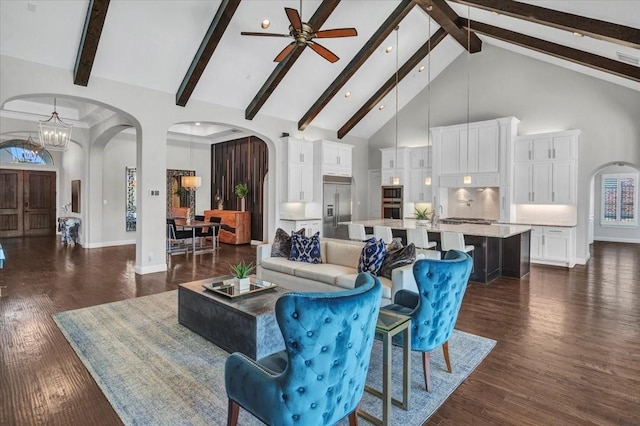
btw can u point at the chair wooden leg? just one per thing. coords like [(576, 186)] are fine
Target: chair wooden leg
[(445, 349), (232, 414), (426, 369), (353, 418)]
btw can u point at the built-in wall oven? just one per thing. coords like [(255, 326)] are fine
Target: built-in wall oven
[(392, 202)]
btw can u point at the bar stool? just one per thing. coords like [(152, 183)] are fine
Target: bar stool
[(420, 238), (383, 233), (356, 232), (455, 241)]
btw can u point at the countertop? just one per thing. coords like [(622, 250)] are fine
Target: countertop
[(563, 224), (496, 230)]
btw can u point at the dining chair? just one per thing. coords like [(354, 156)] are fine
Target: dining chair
[(357, 232), (441, 285), (320, 377), (176, 238), (383, 233)]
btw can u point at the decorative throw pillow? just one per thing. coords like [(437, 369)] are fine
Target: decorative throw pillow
[(281, 246), (372, 256), (396, 258), (305, 249), (395, 244)]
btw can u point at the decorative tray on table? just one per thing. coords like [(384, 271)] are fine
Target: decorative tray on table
[(228, 288)]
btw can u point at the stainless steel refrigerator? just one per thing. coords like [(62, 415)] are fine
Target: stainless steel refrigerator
[(336, 199)]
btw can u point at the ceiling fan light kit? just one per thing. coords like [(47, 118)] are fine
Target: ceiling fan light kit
[(303, 35)]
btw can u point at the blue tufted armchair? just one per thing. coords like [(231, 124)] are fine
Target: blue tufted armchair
[(319, 378), (433, 312)]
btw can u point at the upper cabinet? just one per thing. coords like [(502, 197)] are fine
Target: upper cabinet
[(298, 163), (335, 158), (299, 151), (480, 150), (546, 167), (420, 157), (419, 171), (393, 165), (547, 147)]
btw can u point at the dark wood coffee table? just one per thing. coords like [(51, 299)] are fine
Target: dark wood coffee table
[(246, 324)]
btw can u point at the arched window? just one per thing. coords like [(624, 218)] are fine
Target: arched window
[(17, 151)]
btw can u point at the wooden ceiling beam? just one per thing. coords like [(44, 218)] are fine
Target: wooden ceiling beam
[(403, 71), (93, 24), (448, 19), (205, 51), (358, 60), (283, 67), (559, 51), (602, 30)]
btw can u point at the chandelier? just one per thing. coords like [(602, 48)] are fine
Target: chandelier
[(55, 134)]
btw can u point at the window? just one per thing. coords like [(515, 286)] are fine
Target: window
[(619, 199), (24, 151)]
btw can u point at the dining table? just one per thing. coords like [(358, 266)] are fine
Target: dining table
[(193, 225)]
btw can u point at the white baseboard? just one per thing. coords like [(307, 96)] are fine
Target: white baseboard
[(150, 269), (553, 263), (583, 260), (109, 244), (617, 240), (256, 242)]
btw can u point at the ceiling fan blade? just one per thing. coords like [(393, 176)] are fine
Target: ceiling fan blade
[(336, 32), (323, 51), (294, 18), (264, 34), (285, 52)]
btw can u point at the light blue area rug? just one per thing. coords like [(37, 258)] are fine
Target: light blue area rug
[(154, 371)]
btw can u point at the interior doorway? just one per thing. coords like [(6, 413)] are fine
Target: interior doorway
[(27, 203)]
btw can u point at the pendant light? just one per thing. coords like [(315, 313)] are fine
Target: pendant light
[(396, 178), (55, 134), (467, 178), (191, 183), (427, 179)]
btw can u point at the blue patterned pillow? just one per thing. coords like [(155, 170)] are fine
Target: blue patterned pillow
[(372, 256), (305, 249)]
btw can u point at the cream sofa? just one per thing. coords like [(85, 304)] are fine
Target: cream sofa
[(337, 271)]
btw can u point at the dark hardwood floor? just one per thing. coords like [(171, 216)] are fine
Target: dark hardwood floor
[(568, 348)]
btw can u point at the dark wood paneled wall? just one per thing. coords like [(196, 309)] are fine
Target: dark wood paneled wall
[(239, 161)]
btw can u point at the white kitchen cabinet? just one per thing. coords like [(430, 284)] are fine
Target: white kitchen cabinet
[(388, 175), (420, 157), (481, 154), (336, 158), (450, 153), (418, 191), (311, 226), (553, 245), (298, 162), (556, 146), (389, 156), (299, 151), (545, 183), (299, 183)]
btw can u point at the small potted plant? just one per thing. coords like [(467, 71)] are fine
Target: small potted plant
[(241, 190), (422, 216), (241, 272)]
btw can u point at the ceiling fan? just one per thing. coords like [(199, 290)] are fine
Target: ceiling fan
[(304, 35)]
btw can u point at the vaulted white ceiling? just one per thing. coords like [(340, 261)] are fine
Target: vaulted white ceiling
[(152, 43)]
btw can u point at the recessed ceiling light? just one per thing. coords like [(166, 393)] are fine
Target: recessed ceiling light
[(346, 95), (577, 34), (197, 123), (381, 107), (628, 58), (421, 69), (495, 13), (388, 49), (265, 24)]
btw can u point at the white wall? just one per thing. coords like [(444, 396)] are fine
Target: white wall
[(544, 97), (611, 233), (119, 153)]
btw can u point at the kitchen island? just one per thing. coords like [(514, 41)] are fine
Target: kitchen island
[(499, 249)]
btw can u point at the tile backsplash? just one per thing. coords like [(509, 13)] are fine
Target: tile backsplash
[(474, 203)]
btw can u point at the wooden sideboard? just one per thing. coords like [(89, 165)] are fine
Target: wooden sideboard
[(238, 225)]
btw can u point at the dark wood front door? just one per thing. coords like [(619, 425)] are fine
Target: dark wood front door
[(27, 203)]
